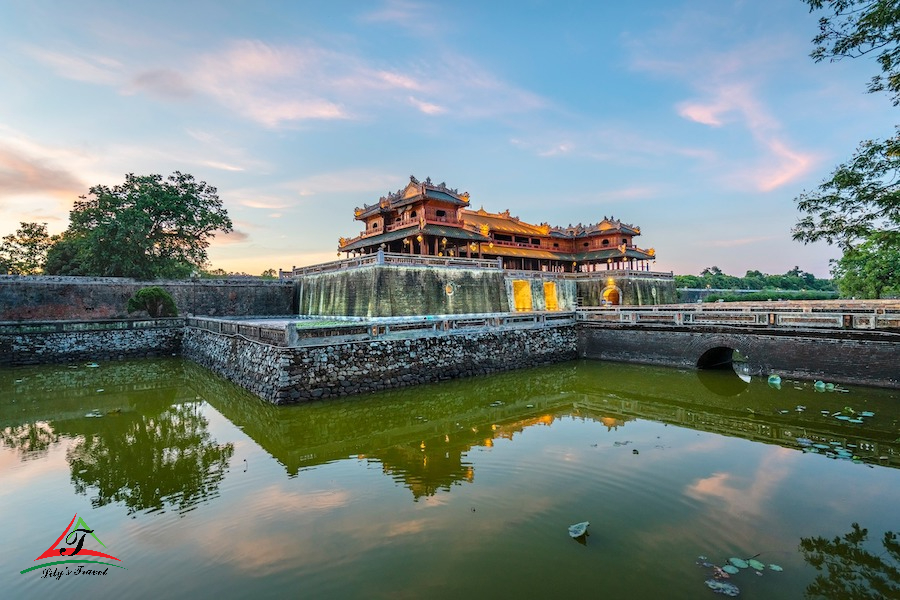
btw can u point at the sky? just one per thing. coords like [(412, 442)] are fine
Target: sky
[(700, 121)]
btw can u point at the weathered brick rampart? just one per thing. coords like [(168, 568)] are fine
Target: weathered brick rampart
[(52, 297)]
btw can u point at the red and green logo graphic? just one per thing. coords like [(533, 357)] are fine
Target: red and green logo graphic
[(74, 537)]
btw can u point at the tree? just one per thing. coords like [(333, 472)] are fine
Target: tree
[(146, 228), (862, 199), (69, 255), (870, 270), (155, 300), (270, 273), (25, 251), (858, 28), (858, 208)]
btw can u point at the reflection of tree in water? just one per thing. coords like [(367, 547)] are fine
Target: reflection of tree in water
[(31, 440), (851, 572), (148, 462)]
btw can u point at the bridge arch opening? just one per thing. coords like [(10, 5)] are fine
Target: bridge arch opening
[(723, 370), (718, 358)]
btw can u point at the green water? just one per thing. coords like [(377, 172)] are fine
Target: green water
[(462, 489)]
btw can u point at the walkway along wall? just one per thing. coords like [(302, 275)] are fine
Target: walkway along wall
[(284, 375)]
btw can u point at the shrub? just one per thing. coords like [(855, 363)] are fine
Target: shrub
[(155, 300)]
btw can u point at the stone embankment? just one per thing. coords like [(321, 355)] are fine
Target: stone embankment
[(63, 342), (285, 375)]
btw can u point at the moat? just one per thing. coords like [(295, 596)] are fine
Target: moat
[(459, 489)]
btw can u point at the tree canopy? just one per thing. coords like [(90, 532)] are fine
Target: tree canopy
[(713, 277), (870, 270), (148, 227), (856, 28), (24, 252), (858, 207), (861, 200)]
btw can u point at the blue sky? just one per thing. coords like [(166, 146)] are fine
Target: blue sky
[(699, 121)]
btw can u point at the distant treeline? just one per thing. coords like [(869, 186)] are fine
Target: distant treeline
[(771, 295), (794, 280)]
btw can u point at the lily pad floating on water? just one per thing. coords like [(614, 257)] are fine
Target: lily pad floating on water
[(819, 385), (723, 587), (756, 564), (740, 563), (867, 413), (578, 529), (731, 569), (843, 417), (855, 421), (775, 568)]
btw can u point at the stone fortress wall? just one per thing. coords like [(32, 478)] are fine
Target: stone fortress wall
[(94, 298)]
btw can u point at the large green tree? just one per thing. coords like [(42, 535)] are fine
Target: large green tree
[(869, 270), (148, 227), (24, 252), (858, 207)]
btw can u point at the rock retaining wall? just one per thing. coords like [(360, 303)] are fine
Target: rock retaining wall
[(287, 375), (90, 345)]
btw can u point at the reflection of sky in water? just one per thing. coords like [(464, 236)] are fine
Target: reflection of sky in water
[(331, 514)]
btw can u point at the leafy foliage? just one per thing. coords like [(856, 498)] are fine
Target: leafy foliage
[(771, 295), (25, 251), (146, 228), (858, 28), (861, 200), (155, 300), (714, 278), (870, 270), (849, 570)]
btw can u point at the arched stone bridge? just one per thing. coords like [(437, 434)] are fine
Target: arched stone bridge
[(851, 342)]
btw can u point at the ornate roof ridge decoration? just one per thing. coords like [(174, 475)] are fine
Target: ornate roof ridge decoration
[(502, 215), (607, 224), (388, 199)]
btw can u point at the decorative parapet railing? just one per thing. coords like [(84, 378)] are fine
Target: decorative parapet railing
[(418, 260), (268, 334), (23, 327), (850, 315), (613, 274), (313, 331), (390, 258)]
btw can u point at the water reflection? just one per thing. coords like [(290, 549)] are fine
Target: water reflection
[(850, 569), (152, 448), (138, 440), (150, 461), (422, 436), (30, 440)]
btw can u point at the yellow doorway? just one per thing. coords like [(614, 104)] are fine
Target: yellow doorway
[(611, 295), (550, 300), (522, 295)]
